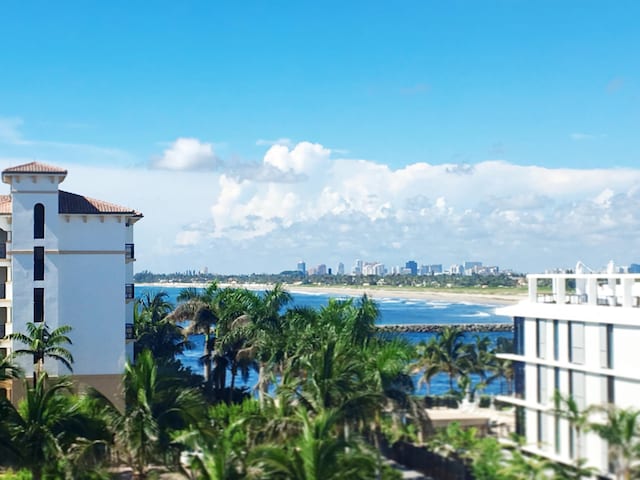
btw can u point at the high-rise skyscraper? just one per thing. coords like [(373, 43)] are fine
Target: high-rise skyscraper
[(412, 266), (302, 267)]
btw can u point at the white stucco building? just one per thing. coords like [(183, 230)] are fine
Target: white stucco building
[(67, 259), (579, 334)]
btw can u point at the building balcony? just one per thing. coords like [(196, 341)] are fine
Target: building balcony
[(129, 291), (129, 252), (128, 331)]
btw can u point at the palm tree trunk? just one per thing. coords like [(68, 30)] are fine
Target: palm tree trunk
[(262, 390), (234, 372), (207, 359), (36, 473)]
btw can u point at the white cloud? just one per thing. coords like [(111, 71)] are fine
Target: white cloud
[(577, 136), (317, 206), (187, 154), (261, 142)]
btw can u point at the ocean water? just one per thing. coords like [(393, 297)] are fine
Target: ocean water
[(392, 311)]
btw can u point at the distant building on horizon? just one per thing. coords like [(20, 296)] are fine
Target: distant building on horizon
[(340, 268), (302, 267), (412, 266)]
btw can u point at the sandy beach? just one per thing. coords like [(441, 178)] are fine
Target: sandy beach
[(373, 292)]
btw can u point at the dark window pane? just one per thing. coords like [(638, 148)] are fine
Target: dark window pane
[(38, 304), (38, 221), (38, 263)]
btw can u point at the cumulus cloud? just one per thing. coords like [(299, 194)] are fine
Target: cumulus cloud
[(187, 154), (306, 201), (492, 209)]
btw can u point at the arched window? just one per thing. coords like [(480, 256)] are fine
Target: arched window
[(38, 221)]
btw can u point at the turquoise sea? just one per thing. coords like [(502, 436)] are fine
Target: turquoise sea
[(392, 311)]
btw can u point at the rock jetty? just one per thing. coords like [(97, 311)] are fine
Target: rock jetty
[(438, 327)]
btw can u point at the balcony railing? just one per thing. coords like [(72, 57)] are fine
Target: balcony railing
[(129, 251), (596, 289), (129, 291), (128, 331)]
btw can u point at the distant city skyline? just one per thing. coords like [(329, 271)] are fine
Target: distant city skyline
[(253, 133)]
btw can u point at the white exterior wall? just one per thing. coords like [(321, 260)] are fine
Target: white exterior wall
[(84, 279), (594, 313)]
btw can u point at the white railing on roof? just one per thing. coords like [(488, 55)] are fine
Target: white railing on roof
[(606, 289)]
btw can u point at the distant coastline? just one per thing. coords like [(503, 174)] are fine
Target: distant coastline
[(490, 298)]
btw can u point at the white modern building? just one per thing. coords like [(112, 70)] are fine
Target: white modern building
[(67, 259), (578, 334)]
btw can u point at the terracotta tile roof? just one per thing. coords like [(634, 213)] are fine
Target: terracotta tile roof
[(5, 204), (35, 167), (71, 203)]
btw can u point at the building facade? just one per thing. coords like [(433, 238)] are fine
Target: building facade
[(66, 259), (577, 334)]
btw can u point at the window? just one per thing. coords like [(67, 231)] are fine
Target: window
[(3, 353), (521, 420), (556, 428), (539, 422), (606, 346), (543, 396), (576, 342), (38, 221), (577, 388), (519, 379), (556, 340), (38, 263), (607, 392), (38, 304), (541, 335), (518, 335)]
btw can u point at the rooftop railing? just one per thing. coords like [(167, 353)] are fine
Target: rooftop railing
[(599, 289)]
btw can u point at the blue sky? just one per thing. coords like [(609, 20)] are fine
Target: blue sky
[(117, 85)]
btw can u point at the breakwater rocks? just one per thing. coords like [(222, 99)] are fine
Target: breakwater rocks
[(438, 327)]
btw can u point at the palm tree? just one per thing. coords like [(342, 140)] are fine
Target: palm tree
[(154, 331), (46, 425), (201, 310), (8, 369), (155, 406), (620, 431), (451, 354), (317, 454), (426, 362), (43, 343), (566, 407)]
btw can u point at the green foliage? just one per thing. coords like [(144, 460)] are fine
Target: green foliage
[(19, 475)]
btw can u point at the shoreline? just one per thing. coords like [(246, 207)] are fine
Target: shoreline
[(372, 292)]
